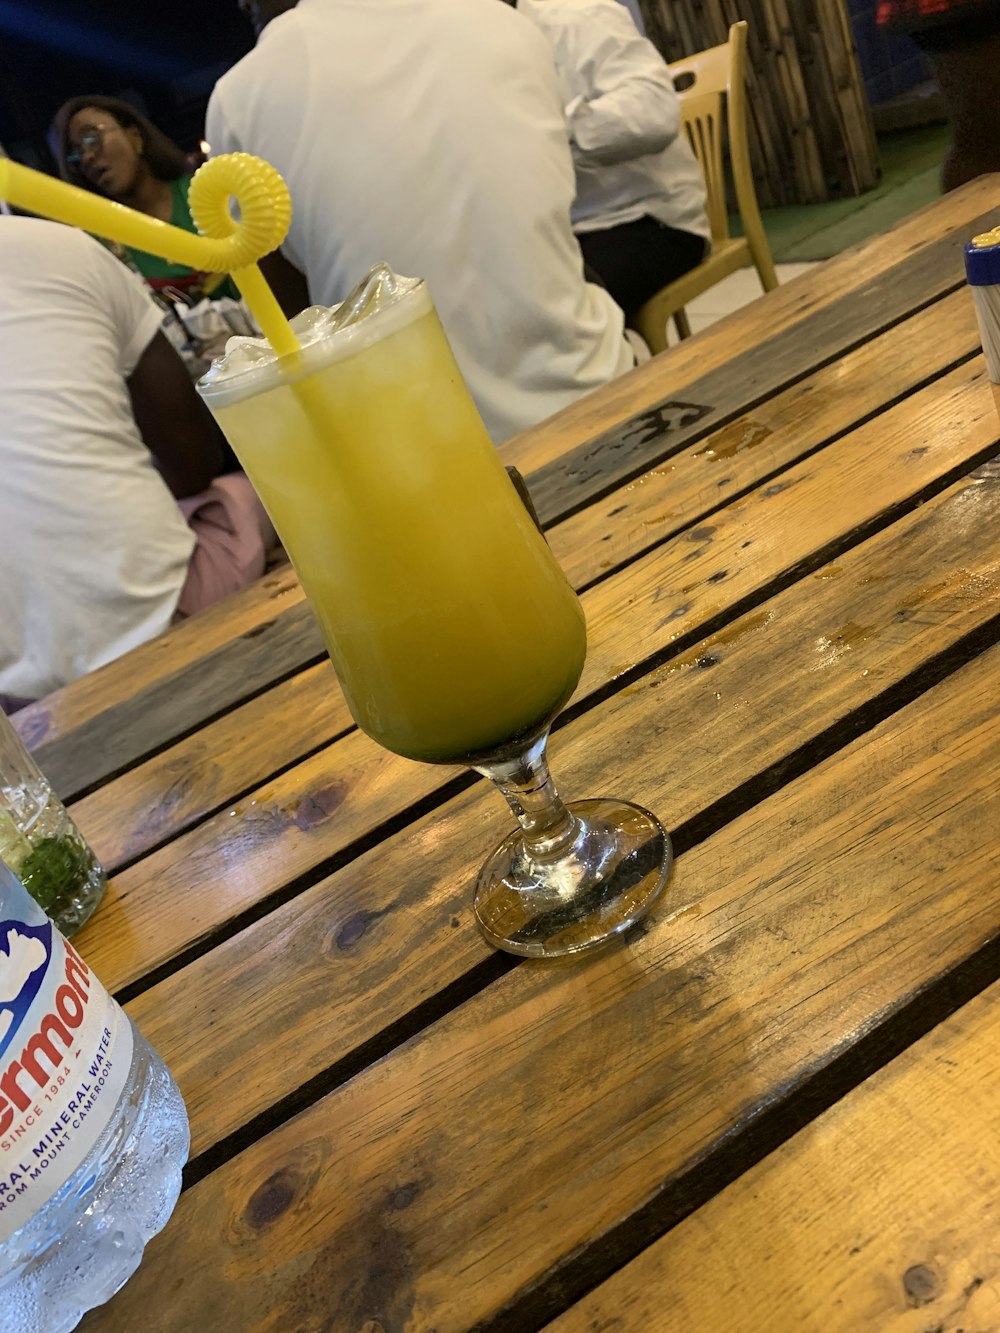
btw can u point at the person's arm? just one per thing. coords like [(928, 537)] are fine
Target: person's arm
[(287, 282), (174, 423), (176, 426), (632, 108)]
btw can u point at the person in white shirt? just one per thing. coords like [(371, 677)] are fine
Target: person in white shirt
[(430, 134), (112, 519), (639, 212)]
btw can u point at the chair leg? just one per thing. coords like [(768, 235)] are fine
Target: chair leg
[(681, 323), (761, 252), (652, 327), (765, 271)]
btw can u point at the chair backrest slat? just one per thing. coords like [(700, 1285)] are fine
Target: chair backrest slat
[(708, 80), (702, 117)]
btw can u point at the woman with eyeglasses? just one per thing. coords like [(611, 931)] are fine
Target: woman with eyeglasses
[(106, 146)]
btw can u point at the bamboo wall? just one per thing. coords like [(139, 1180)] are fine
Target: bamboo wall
[(809, 120)]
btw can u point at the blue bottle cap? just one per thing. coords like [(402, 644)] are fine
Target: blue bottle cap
[(982, 259)]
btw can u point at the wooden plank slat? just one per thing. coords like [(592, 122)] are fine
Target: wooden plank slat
[(108, 742), (295, 822), (802, 150), (832, 38), (86, 698), (706, 476), (396, 927), (183, 784), (813, 292), (841, 109), (435, 1187), (154, 801), (880, 1215), (683, 415), (905, 248)]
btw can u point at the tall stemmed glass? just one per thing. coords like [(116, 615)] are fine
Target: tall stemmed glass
[(454, 633)]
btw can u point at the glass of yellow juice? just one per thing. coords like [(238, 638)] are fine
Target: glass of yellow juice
[(452, 629)]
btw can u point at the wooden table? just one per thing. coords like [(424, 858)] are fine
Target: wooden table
[(785, 534)]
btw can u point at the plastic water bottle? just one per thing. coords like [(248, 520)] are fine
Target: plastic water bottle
[(93, 1131)]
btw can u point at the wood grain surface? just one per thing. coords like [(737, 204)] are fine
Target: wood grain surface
[(657, 428), (860, 293), (79, 702), (880, 1215), (214, 766), (666, 600), (793, 603), (952, 220), (690, 486), (110, 742), (396, 927), (442, 1183), (229, 757)]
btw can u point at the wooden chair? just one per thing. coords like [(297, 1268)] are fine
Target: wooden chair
[(718, 72)]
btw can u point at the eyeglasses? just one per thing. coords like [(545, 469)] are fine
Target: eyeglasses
[(91, 141)]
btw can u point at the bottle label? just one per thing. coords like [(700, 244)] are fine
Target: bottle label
[(65, 1055)]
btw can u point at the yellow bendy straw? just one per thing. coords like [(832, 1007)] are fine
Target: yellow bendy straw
[(225, 246)]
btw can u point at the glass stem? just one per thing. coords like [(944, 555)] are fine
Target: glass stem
[(548, 827)]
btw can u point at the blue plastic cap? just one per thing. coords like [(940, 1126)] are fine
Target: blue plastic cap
[(982, 265)]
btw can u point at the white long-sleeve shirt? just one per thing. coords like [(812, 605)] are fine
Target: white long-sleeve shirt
[(623, 117), (430, 134)]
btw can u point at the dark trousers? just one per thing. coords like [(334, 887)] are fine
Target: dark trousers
[(634, 260)]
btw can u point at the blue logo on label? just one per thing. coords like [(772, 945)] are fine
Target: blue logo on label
[(25, 952)]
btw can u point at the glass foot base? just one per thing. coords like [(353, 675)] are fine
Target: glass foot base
[(605, 880)]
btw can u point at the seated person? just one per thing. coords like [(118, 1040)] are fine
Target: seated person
[(430, 134), (112, 520), (106, 146), (962, 41), (639, 212)]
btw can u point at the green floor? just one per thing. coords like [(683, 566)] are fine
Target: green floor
[(911, 171)]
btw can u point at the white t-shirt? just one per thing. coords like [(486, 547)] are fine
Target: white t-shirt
[(632, 159), (430, 134), (93, 548)]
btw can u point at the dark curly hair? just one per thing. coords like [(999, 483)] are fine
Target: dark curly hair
[(166, 160)]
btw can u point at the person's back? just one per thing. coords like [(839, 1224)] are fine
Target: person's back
[(93, 549), (114, 520), (640, 207), (430, 134)]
